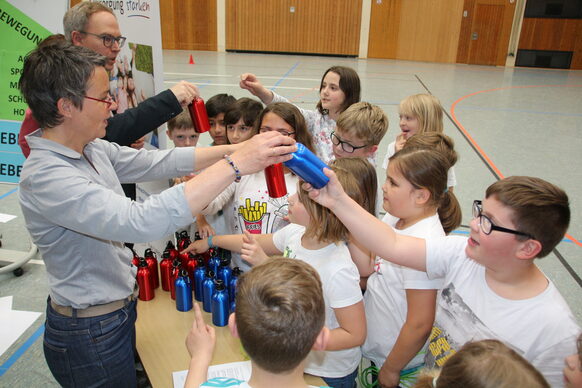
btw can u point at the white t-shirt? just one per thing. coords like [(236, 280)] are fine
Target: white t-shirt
[(229, 382), (247, 205), (341, 288), (542, 329), (385, 297), (451, 176)]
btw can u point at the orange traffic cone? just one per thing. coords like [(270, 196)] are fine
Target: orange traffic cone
[(191, 61)]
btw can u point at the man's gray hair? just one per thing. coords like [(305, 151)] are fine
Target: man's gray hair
[(56, 70), (76, 18)]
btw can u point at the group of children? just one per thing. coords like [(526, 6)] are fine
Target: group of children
[(398, 291)]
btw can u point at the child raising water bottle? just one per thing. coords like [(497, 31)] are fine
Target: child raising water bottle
[(317, 237), (400, 302), (339, 88)]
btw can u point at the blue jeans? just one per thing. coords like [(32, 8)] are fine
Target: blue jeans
[(348, 381), (92, 352)]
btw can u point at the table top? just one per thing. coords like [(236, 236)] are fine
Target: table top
[(161, 335)]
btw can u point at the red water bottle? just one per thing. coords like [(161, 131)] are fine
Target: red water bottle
[(176, 267), (191, 266), (135, 258), (172, 250), (276, 181), (182, 240), (152, 260), (166, 270), (144, 281), (199, 115)]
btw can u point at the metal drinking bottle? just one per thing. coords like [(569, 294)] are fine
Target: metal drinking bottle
[(166, 270), (135, 258), (151, 259), (214, 262), (308, 167), (176, 267), (199, 115), (220, 304), (182, 240), (276, 181), (224, 272), (191, 265), (207, 291), (232, 308), (183, 291), (236, 272), (144, 281), (172, 249), (199, 275)]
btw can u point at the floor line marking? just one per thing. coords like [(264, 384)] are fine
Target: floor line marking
[(21, 350)]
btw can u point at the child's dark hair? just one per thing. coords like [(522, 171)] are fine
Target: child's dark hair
[(484, 364), (280, 311), (358, 178), (245, 108), (540, 209), (427, 169), (292, 116), (349, 83), (218, 104)]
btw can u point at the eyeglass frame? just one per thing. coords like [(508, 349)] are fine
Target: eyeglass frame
[(340, 142), (120, 39), (478, 206), (281, 131), (108, 102)]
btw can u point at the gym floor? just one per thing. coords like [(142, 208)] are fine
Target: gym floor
[(505, 121)]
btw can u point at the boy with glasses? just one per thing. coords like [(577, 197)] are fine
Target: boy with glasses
[(359, 130), (493, 289)]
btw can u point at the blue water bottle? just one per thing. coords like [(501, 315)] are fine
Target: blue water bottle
[(214, 262), (308, 167), (208, 290), (183, 292), (199, 274), (236, 272), (220, 304), (224, 272)]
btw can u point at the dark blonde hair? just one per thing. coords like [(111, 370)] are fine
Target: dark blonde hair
[(485, 364), (365, 121), (427, 169), (434, 141), (427, 109), (182, 121), (539, 208), (358, 178), (245, 108), (280, 311), (349, 83), (292, 116)]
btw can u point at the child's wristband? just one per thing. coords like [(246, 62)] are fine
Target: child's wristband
[(209, 241), (234, 167)]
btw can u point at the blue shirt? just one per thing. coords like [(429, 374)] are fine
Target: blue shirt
[(78, 216)]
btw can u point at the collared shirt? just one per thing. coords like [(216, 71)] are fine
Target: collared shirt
[(78, 216)]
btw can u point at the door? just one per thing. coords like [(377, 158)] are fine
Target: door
[(485, 32)]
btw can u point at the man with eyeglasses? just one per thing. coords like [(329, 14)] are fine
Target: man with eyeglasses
[(94, 25)]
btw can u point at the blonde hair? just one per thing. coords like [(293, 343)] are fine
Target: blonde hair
[(280, 311), (484, 364), (427, 109), (427, 169), (365, 121), (358, 178)]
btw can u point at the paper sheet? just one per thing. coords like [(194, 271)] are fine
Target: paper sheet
[(239, 370), (13, 323)]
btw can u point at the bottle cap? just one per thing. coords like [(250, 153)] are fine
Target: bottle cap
[(219, 285), (184, 272)]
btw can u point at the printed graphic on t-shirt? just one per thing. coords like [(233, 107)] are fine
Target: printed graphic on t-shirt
[(288, 253), (262, 216), (455, 324)]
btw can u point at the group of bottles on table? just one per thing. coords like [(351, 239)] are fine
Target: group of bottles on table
[(208, 275)]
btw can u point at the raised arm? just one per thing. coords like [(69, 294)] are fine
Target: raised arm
[(367, 229), (251, 83)]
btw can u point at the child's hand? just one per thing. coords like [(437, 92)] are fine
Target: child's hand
[(139, 143), (251, 83), (387, 377), (251, 250), (204, 228), (399, 144), (201, 338), (198, 246), (330, 194)]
